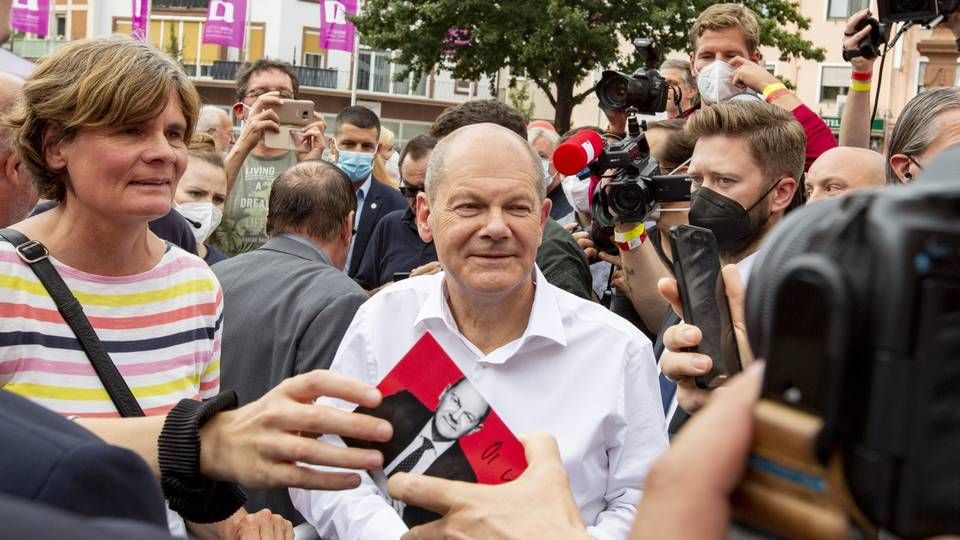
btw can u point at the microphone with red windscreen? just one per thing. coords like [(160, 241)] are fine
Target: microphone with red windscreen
[(577, 152)]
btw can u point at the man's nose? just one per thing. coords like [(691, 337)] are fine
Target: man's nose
[(496, 227)]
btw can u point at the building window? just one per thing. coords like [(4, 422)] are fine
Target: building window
[(842, 9), (771, 68), (834, 81), (462, 88), (922, 72), (61, 31), (375, 73), (313, 60)]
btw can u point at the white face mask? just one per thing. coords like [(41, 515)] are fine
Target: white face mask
[(393, 165), (578, 193), (547, 177), (715, 82), (205, 214)]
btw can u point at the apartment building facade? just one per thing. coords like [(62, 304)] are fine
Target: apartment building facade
[(282, 29)]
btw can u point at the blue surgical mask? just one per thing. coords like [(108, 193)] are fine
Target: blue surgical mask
[(357, 165)]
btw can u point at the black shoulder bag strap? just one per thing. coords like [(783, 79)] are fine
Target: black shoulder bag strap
[(35, 254)]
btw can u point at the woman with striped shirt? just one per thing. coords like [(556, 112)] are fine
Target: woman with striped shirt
[(102, 126)]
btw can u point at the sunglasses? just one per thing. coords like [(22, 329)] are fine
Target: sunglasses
[(410, 191)]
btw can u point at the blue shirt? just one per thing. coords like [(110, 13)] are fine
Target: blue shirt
[(395, 246), (361, 195)]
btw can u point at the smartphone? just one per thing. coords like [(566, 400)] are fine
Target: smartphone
[(696, 265), (400, 276), (294, 115)]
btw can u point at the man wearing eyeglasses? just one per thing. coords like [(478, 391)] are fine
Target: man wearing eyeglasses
[(251, 166), (395, 249)]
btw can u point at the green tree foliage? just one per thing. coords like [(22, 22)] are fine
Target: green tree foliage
[(553, 43), (519, 97)]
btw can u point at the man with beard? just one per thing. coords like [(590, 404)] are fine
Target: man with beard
[(745, 169)]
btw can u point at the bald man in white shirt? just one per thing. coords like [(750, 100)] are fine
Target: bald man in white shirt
[(545, 360)]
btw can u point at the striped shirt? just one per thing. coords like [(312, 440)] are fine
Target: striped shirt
[(161, 328)]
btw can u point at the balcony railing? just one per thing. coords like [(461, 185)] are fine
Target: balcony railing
[(180, 4), (35, 48), (444, 90), (317, 77)]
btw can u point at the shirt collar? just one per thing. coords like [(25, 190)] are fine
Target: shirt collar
[(545, 318), (365, 187), (427, 433)]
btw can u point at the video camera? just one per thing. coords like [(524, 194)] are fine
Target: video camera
[(928, 13), (636, 186), (859, 418)]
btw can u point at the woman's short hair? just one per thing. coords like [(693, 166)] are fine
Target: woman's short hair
[(918, 125), (90, 84), (547, 134)]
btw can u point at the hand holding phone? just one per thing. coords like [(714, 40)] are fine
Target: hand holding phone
[(696, 265), (294, 114)]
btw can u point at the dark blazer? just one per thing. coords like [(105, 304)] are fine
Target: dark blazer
[(408, 416), (26, 519), (285, 311), (50, 460), (378, 202)]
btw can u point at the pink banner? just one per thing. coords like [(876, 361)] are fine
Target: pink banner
[(31, 16), (225, 23), (336, 32), (140, 19)]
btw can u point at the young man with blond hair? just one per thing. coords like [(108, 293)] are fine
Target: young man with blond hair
[(730, 33)]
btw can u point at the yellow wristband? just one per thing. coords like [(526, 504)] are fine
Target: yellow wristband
[(860, 86), (632, 234), (771, 88)]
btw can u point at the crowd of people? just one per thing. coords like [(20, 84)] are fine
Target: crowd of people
[(188, 319)]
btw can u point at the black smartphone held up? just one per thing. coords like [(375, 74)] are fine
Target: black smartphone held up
[(696, 265), (400, 276)]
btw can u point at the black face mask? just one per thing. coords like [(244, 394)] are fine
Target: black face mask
[(726, 218)]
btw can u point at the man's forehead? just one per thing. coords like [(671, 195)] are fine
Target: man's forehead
[(270, 76), (722, 154), (721, 40)]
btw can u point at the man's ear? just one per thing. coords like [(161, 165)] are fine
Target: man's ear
[(693, 68), (756, 57), (901, 166), (783, 194), (423, 217), (239, 111)]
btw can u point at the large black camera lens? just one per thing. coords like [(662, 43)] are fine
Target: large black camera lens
[(646, 90), (628, 199)]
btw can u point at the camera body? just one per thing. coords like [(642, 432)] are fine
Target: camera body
[(879, 34), (646, 90), (636, 186), (925, 12), (867, 356)]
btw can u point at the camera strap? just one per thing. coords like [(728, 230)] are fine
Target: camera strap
[(36, 255)]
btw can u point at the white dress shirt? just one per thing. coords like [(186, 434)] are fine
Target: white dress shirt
[(578, 372)]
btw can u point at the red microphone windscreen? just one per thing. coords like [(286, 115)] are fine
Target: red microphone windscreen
[(577, 152)]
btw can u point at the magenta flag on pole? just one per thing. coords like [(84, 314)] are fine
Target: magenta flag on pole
[(336, 32), (140, 19), (225, 22), (31, 16)]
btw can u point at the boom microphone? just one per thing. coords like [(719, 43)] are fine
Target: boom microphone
[(577, 152)]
